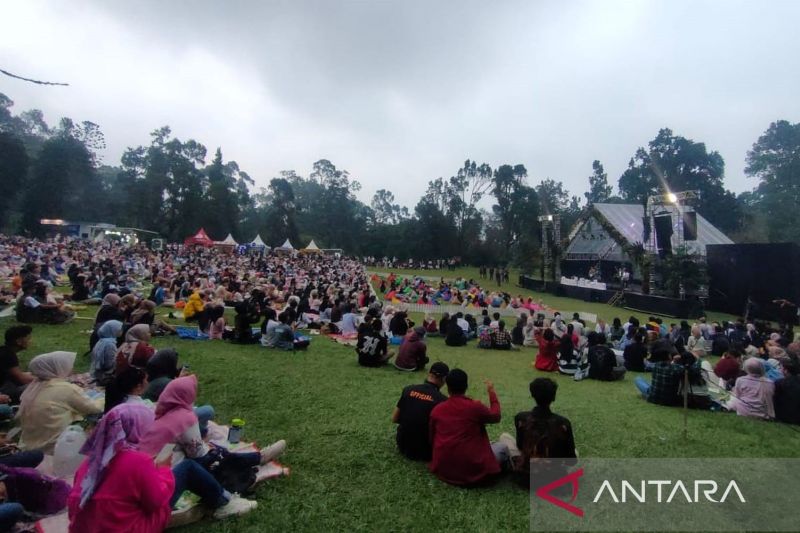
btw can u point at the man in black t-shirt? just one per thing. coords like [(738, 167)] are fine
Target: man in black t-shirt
[(372, 347), (541, 434), (413, 412), (12, 379)]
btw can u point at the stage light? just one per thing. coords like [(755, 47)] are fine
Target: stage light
[(673, 199), (549, 218)]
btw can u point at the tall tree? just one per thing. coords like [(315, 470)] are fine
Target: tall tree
[(599, 189), (675, 163), (282, 212), (222, 205), (463, 192), (13, 171), (385, 210), (775, 161), (516, 210)]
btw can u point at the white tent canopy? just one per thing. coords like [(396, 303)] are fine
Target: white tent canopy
[(312, 245), (258, 242), (287, 245), (230, 240)]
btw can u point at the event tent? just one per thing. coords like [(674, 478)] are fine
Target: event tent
[(230, 241), (258, 242), (200, 238), (287, 245), (312, 248)]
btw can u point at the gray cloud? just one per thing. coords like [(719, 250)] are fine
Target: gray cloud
[(402, 92)]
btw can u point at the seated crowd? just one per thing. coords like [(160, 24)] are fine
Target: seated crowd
[(150, 440)]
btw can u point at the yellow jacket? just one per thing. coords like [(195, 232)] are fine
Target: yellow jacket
[(193, 306)]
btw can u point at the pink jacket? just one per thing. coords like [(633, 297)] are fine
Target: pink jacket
[(133, 497)]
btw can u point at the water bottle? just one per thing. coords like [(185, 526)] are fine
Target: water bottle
[(235, 431), (67, 457)]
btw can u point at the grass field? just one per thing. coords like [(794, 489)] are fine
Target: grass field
[(346, 473)]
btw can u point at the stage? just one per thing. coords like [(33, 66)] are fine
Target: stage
[(690, 308)]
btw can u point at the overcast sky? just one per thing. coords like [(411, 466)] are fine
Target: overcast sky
[(402, 92)]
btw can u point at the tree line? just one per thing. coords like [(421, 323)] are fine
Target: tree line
[(481, 214)]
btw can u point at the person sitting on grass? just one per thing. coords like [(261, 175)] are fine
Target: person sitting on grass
[(12, 379), (461, 451), (518, 332), (752, 394), (282, 336), (602, 360), (413, 411), (49, 403), (501, 338), (730, 366), (635, 354), (194, 307), (455, 335), (444, 322), (547, 356), (117, 487), (787, 390), (372, 347), (541, 434), (136, 349), (176, 423), (104, 353), (430, 325), (485, 334), (399, 324), (128, 386), (412, 355), (668, 374), (216, 322)]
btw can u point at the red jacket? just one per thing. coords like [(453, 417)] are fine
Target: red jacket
[(547, 358), (462, 454)]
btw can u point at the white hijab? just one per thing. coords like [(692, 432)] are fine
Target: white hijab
[(45, 367)]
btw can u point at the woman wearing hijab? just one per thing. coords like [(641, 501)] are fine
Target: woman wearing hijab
[(144, 314), (752, 394), (176, 423), (118, 488), (104, 353), (135, 351), (49, 403), (109, 310), (161, 369)]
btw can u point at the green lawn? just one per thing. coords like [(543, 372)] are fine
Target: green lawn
[(335, 415)]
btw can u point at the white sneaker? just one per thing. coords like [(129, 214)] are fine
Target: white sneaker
[(272, 451), (235, 506)]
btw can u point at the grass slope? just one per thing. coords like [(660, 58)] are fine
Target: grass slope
[(346, 473)]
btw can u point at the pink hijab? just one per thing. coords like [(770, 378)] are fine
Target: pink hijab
[(174, 414), (120, 429)]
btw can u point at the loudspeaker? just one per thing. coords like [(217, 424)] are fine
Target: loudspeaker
[(690, 226), (663, 227)]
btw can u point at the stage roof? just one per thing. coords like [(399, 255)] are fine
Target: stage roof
[(627, 220)]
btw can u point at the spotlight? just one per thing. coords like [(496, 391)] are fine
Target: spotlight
[(673, 199)]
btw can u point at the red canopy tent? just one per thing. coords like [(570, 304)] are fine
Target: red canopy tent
[(200, 239)]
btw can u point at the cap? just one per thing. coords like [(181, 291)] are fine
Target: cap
[(440, 369), (420, 331)]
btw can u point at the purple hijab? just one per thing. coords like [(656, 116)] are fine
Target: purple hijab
[(120, 429)]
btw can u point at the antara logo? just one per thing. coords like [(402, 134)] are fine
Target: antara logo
[(704, 490), (676, 489)]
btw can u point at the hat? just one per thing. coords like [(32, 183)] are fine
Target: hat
[(420, 331), (457, 380), (439, 369), (663, 346)]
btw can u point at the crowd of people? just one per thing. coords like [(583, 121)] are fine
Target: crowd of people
[(141, 401)]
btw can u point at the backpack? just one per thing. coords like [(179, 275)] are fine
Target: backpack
[(36, 492), (230, 472)]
